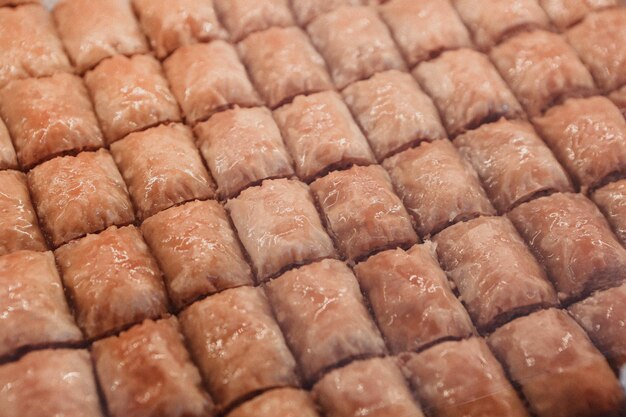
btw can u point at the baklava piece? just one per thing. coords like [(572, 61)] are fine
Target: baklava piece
[(170, 24), (467, 90), (243, 17), (574, 242), (588, 136), (8, 159), (241, 148), (437, 186), (412, 299), (320, 309), (197, 249), (603, 316), (565, 13), (162, 168), (50, 383), (19, 229), (321, 135), (513, 163), (612, 202), (33, 310), (130, 94), (283, 64), (355, 43), (373, 388), (542, 70), (496, 275), (560, 372), (394, 112), (619, 98), (362, 211), (146, 371), (279, 226), (503, 18), (48, 117), (112, 280), (207, 78), (462, 379), (600, 41), (307, 10), (92, 31), (77, 195), (29, 46), (424, 29), (237, 344), (282, 402)]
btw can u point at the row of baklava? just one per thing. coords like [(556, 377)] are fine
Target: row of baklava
[(169, 26)]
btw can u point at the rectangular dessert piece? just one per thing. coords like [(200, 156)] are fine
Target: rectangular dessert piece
[(33, 310), (467, 90), (320, 309), (162, 167), (112, 280), (437, 186), (611, 199), (50, 383), (283, 64), (513, 163), (283, 402), (77, 195), (243, 17), (207, 78), (307, 10), (394, 112), (321, 135), (19, 229), (170, 24), (373, 388), (588, 137), (574, 242), (462, 379), (279, 226), (197, 249), (92, 31), (411, 298), (542, 70), (560, 372), (8, 159), (565, 13), (603, 316), (619, 98), (424, 28), (48, 117), (146, 371), (496, 274), (355, 43), (241, 148), (130, 94), (29, 46), (608, 62), (362, 211), (238, 345), (503, 18)]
